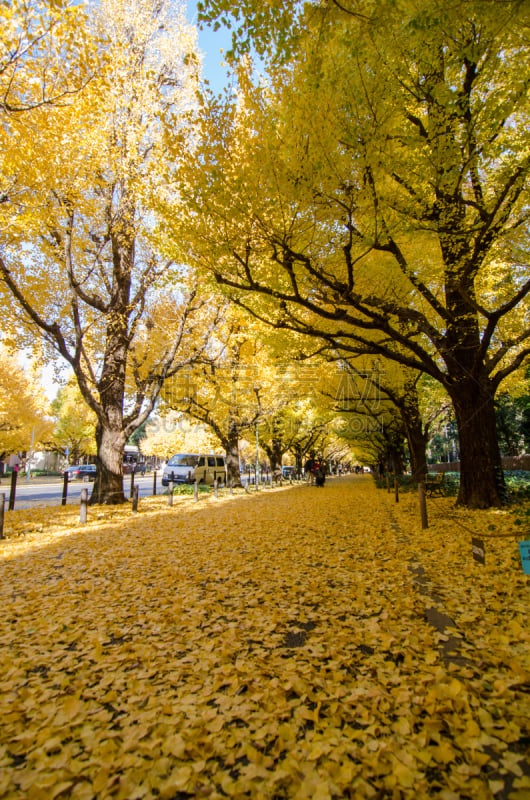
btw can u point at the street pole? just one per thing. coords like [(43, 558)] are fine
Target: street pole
[(28, 463), (257, 456)]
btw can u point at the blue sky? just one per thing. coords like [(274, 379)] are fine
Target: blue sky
[(211, 43)]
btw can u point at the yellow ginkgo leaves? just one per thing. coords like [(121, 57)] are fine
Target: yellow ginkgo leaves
[(270, 645)]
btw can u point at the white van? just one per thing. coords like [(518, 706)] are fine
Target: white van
[(191, 467)]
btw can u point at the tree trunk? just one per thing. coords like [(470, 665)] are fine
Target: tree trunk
[(108, 486), (481, 474), (298, 457), (395, 459), (232, 455), (473, 398), (416, 440), (409, 409), (275, 454), (417, 443), (110, 436)]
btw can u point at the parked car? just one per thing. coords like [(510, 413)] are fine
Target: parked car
[(287, 471), (81, 472), (190, 467)]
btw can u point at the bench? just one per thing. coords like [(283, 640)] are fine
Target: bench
[(434, 484)]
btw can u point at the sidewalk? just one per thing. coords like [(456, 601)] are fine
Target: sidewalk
[(270, 645), (22, 478)]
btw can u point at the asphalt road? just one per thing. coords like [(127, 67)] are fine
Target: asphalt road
[(35, 492)]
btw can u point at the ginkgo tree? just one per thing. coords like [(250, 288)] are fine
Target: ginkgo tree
[(370, 397), (173, 432), (75, 423), (373, 193), (306, 426), (47, 53), (245, 386), (23, 405), (362, 412), (77, 254), (513, 414)]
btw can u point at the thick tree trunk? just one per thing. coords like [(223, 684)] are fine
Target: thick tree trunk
[(481, 474), (416, 438), (232, 456), (108, 486), (395, 458), (473, 397), (417, 443), (299, 460), (275, 454), (110, 435)]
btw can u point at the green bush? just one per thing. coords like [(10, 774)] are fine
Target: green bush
[(406, 483), (518, 484), (187, 489)]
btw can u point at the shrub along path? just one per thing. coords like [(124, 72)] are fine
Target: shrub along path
[(280, 645)]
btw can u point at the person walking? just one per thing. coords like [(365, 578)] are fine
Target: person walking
[(309, 467)]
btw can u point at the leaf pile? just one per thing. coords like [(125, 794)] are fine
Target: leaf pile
[(265, 646)]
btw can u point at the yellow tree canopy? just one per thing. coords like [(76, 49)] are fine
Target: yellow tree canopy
[(373, 192), (46, 55), (23, 406), (75, 422), (175, 433), (248, 381), (77, 247)]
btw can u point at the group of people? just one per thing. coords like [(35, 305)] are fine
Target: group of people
[(315, 471)]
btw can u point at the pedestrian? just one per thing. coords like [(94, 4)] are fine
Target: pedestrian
[(308, 467), (320, 473)]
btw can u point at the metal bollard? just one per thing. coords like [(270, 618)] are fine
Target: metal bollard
[(196, 491), (231, 486), (2, 510), (396, 489), (65, 489), (135, 498), (215, 487), (170, 494), (83, 507), (132, 482), (154, 483), (13, 491)]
